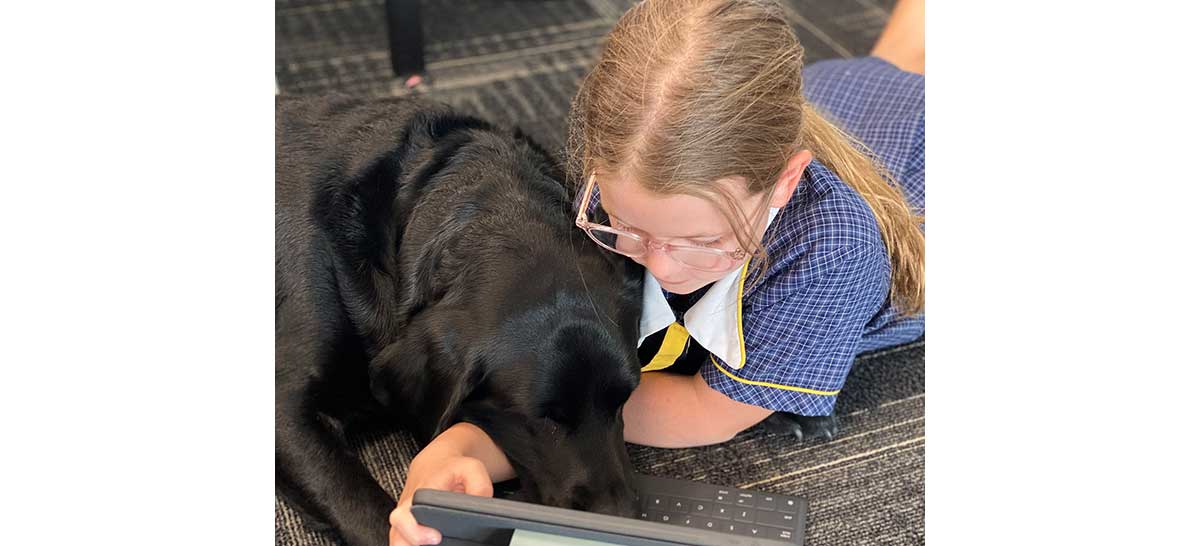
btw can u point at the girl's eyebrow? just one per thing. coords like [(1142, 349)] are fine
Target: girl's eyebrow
[(618, 218)]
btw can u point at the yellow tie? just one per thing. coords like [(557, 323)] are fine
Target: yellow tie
[(674, 342)]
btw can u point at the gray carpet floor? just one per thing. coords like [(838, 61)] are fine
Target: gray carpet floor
[(517, 63)]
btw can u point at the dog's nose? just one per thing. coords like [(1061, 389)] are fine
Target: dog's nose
[(616, 500), (617, 507), (627, 508)]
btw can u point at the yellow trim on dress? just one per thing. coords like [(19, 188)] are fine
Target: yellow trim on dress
[(765, 384), (741, 336)]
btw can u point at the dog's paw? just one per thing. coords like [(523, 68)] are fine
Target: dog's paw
[(803, 426)]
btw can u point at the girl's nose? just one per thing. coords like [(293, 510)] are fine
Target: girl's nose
[(660, 264)]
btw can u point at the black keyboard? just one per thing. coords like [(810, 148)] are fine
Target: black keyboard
[(769, 518), (722, 509)]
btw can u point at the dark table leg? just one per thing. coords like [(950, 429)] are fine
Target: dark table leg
[(405, 39)]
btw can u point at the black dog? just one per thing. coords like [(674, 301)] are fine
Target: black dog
[(428, 271)]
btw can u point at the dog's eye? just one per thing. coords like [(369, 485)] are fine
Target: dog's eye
[(560, 416)]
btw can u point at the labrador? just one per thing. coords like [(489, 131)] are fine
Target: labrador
[(427, 272)]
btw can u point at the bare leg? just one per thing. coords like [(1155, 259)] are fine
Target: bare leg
[(902, 42)]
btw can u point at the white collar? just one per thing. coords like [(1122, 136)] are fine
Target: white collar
[(715, 322)]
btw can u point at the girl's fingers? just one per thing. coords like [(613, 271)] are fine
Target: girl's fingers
[(397, 539), (475, 478), (467, 475), (406, 527)]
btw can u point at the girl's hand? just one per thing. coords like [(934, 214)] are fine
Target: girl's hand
[(434, 470)]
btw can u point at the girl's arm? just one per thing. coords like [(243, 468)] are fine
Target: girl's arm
[(671, 410), (471, 441), (665, 410)]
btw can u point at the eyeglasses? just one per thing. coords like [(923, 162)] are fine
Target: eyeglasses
[(636, 246)]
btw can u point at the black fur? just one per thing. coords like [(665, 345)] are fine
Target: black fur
[(428, 272)]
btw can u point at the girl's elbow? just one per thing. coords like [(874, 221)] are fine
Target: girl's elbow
[(724, 432)]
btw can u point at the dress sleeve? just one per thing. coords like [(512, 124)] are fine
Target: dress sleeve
[(799, 349)]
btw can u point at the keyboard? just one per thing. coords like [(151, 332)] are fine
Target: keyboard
[(722, 509)]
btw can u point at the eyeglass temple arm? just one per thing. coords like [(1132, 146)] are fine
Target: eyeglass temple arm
[(585, 202)]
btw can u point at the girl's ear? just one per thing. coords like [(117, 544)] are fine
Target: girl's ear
[(793, 171)]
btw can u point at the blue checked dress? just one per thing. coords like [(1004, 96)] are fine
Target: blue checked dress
[(824, 299)]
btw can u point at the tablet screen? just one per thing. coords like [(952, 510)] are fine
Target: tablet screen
[(522, 537)]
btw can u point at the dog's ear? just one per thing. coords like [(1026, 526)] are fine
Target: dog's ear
[(424, 381), (450, 408), (399, 376)]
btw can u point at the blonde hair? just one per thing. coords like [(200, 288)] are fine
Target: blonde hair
[(691, 92)]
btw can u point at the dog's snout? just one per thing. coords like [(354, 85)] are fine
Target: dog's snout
[(616, 499), (625, 506)]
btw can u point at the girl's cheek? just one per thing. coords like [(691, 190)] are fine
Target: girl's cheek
[(711, 277)]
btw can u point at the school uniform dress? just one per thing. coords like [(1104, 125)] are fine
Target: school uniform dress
[(787, 341)]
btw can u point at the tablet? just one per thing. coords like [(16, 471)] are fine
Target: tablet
[(467, 520)]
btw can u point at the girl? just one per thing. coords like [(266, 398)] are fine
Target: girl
[(779, 227)]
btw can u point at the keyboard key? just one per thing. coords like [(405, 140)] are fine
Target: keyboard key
[(723, 495), (782, 534), (701, 508), (777, 519), (705, 523), (664, 517), (689, 521), (679, 505), (656, 502), (732, 528), (752, 531), (789, 505), (744, 499), (644, 515), (767, 502), (743, 515), (722, 511)]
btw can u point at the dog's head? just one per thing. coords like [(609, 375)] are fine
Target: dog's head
[(556, 413), (545, 369), (557, 380)]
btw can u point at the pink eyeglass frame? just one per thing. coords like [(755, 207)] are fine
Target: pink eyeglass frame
[(581, 221)]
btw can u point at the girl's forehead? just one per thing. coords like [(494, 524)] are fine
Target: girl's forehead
[(661, 215)]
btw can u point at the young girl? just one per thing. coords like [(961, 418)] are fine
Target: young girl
[(779, 227)]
